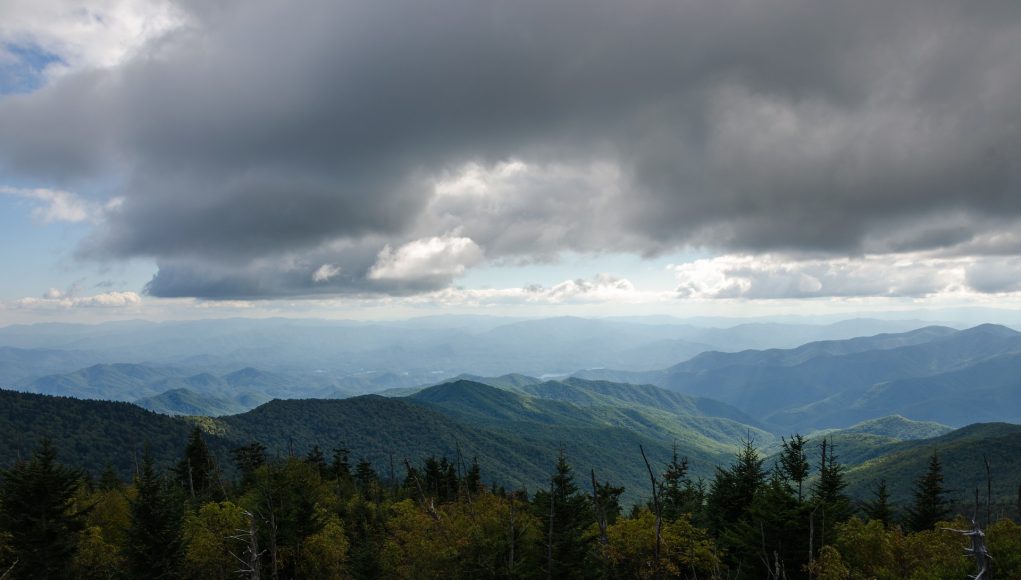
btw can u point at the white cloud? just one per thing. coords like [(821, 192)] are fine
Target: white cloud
[(325, 272), (84, 34), (54, 299), (773, 276), (601, 288), (55, 205), (428, 258)]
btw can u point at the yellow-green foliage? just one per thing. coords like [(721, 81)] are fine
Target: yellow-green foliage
[(209, 542), (108, 514), (459, 540), (685, 550), (324, 554), (1004, 541), (870, 551), (97, 558)]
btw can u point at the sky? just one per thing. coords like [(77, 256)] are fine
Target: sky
[(173, 159)]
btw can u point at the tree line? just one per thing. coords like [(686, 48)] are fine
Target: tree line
[(325, 516)]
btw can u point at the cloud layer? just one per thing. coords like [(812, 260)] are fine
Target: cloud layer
[(264, 149)]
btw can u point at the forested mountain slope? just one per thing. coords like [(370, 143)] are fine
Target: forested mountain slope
[(934, 374)]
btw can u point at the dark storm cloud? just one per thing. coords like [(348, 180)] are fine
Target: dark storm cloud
[(251, 144)]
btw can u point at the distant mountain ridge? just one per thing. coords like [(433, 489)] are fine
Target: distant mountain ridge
[(360, 357), (839, 383), (174, 390)]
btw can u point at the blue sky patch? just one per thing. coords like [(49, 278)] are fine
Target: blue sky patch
[(22, 67)]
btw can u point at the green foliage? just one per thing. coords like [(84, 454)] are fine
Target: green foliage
[(734, 489), (829, 501), (685, 550), (873, 551), (462, 540), (153, 548), (210, 540), (196, 471), (930, 504), (879, 509), (93, 434), (794, 464), (565, 512), (39, 516), (677, 494)]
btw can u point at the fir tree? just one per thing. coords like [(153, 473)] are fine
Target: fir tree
[(734, 489), (676, 495), (196, 471), (832, 504), (340, 468), (367, 480), (109, 479), (930, 503), (37, 511), (794, 463), (564, 521), (879, 509), (248, 459), (317, 460), (154, 536), (473, 479)]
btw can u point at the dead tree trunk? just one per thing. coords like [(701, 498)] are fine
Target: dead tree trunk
[(978, 549), (510, 556), (600, 510), (989, 493), (250, 561), (655, 505), (549, 543), (272, 539), (421, 494)]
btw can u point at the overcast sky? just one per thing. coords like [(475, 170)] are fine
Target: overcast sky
[(180, 159)]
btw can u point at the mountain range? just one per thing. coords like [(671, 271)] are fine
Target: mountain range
[(933, 373)]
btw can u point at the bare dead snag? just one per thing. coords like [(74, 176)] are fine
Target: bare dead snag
[(549, 543), (978, 549), (600, 510), (421, 493), (655, 505), (510, 556), (250, 561)]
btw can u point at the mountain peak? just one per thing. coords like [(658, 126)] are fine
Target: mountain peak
[(989, 329)]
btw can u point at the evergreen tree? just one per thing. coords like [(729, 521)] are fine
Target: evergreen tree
[(196, 471), (340, 468), (879, 509), (109, 480), (473, 479), (831, 503), (676, 494), (317, 460), (776, 529), (794, 463), (248, 459), (732, 492), (729, 506), (367, 480), (37, 510), (930, 503), (564, 522), (153, 548)]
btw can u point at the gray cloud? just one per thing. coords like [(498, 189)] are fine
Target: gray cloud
[(264, 140)]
